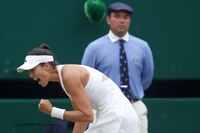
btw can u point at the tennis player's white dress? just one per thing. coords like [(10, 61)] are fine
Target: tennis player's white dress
[(114, 112)]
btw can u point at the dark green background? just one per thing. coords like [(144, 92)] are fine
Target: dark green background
[(171, 28), (164, 115)]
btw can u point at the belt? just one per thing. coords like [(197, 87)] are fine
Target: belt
[(134, 100)]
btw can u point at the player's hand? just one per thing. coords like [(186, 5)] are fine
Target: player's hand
[(45, 106)]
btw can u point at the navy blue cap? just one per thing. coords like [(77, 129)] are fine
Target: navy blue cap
[(117, 6)]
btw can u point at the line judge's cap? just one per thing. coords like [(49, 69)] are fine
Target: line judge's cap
[(117, 6)]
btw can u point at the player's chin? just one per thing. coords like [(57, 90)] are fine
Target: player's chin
[(42, 84)]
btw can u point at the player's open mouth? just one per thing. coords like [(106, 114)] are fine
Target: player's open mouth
[(38, 80)]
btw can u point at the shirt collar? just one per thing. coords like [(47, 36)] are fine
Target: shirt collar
[(114, 38)]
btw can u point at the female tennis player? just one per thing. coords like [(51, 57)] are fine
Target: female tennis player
[(87, 89)]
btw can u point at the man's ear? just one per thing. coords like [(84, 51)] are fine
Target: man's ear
[(108, 20)]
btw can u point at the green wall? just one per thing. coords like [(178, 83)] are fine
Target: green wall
[(171, 28), (23, 116), (166, 115), (173, 115)]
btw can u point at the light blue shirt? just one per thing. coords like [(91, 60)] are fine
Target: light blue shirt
[(103, 55)]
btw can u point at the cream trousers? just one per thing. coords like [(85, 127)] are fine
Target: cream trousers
[(142, 112)]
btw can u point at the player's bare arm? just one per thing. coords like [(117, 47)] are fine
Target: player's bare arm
[(79, 99)]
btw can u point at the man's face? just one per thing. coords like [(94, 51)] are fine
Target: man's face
[(119, 22)]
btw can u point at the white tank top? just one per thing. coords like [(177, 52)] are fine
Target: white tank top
[(98, 91)]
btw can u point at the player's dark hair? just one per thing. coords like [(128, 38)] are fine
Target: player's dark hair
[(43, 50)]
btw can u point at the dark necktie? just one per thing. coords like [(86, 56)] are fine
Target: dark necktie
[(125, 88)]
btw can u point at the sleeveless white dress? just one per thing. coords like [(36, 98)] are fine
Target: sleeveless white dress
[(114, 112)]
